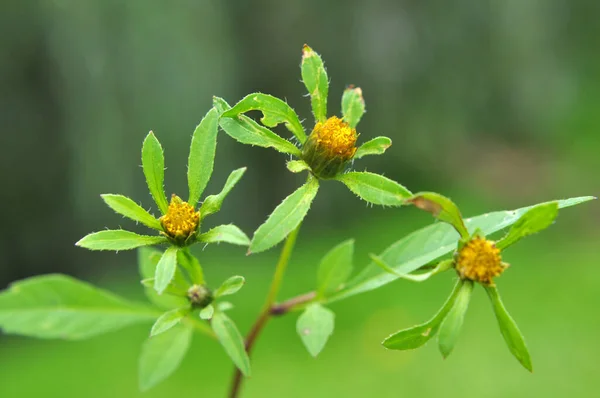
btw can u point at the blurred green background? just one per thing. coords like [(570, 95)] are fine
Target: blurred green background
[(495, 104)]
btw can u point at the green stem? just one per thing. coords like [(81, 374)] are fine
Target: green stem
[(266, 312)]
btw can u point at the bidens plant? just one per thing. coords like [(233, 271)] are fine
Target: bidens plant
[(182, 301)]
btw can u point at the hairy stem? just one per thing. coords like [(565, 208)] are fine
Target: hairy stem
[(266, 311)]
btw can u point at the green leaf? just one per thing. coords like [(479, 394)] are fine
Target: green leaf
[(450, 328), (314, 326), (285, 218), (212, 203), (509, 329), (167, 320), (128, 208), (207, 312), (441, 267), (230, 286), (442, 208), (315, 79), (274, 110), (376, 146), (232, 341), (428, 244), (153, 164), (533, 221), (162, 355), (247, 131), (118, 239), (225, 233), (148, 259), (224, 306), (296, 166), (353, 105), (375, 188), (165, 269), (190, 263), (202, 155), (58, 306), (417, 336), (335, 268)]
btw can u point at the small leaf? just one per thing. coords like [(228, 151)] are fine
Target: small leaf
[(285, 218), (442, 208), (153, 164), (165, 269), (202, 155), (230, 286), (353, 105), (441, 267), (118, 239), (296, 166), (212, 203), (61, 307), (335, 268), (314, 326), (207, 312), (224, 306), (274, 110), (162, 355), (509, 329), (452, 324), (148, 259), (190, 263), (128, 208), (376, 146), (417, 336), (315, 79), (167, 320), (232, 341), (247, 131), (533, 221), (375, 188), (225, 233)]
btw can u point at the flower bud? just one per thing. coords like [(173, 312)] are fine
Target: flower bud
[(181, 219), (200, 296)]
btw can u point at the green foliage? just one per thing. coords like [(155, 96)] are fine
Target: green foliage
[(375, 188), (167, 320), (118, 240), (376, 146), (231, 340), (314, 327), (128, 208), (296, 166), (450, 328), (230, 286), (162, 355), (335, 268), (442, 208), (353, 106), (202, 155), (533, 221), (148, 259), (212, 203), (165, 269), (315, 79), (58, 306), (153, 164), (225, 233)]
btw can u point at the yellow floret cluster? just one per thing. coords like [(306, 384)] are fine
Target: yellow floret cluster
[(181, 219), (336, 138), (479, 260)]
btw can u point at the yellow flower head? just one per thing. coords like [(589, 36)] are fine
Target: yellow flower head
[(479, 260), (181, 219), (329, 147)]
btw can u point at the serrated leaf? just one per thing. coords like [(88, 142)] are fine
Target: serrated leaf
[(228, 233), (428, 244), (118, 239), (274, 110), (314, 327), (509, 329), (230, 286), (147, 261), (375, 188), (285, 218), (335, 268), (247, 131), (153, 164), (165, 269), (533, 221), (212, 203), (207, 312), (162, 355), (353, 106), (58, 306), (376, 146), (202, 155), (128, 208), (296, 166), (450, 327), (167, 320), (442, 208), (315, 79), (417, 336), (232, 341)]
